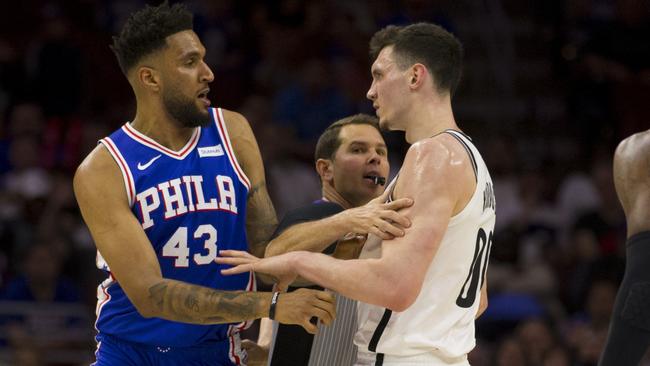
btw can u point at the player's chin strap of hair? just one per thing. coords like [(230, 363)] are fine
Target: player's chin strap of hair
[(274, 302)]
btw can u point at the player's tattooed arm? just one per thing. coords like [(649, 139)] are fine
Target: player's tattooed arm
[(188, 303), (261, 220)]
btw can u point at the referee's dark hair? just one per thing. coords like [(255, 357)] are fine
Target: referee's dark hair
[(146, 30), (329, 140)]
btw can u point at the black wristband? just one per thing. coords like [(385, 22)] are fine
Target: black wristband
[(274, 302)]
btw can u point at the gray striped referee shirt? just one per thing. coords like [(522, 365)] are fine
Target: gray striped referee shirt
[(333, 345)]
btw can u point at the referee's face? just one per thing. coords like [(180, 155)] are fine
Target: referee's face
[(362, 154)]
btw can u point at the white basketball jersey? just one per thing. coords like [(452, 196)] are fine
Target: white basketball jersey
[(438, 328)]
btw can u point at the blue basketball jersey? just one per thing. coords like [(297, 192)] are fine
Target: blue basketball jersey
[(190, 203)]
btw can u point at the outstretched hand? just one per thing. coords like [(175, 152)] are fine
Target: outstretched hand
[(297, 307), (277, 267)]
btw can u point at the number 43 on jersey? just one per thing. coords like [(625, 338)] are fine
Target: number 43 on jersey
[(176, 247)]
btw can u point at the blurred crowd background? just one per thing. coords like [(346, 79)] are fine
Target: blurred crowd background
[(549, 89)]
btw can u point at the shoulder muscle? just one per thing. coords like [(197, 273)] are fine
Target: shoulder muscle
[(442, 164), (99, 173)]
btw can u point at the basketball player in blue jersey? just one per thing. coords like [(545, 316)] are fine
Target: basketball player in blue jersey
[(629, 332), (418, 294), (165, 192)]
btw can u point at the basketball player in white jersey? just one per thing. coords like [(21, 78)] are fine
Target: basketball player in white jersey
[(421, 291)]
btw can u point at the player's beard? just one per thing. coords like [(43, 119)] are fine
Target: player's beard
[(185, 110)]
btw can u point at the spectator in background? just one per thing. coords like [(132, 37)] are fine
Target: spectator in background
[(615, 65), (57, 60), (521, 286), (23, 349), (606, 220), (307, 107), (583, 261), (280, 163), (587, 330), (558, 356), (41, 279), (47, 321), (25, 189), (510, 352), (537, 339)]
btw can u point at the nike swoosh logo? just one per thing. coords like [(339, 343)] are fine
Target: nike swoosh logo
[(147, 164)]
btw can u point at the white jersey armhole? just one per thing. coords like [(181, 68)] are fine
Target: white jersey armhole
[(471, 154), (129, 184)]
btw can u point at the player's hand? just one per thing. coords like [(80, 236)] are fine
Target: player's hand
[(277, 267), (257, 355), (378, 218), (300, 306)]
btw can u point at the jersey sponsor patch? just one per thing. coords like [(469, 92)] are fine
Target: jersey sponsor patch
[(210, 151)]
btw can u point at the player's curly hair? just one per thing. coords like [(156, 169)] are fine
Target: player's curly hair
[(145, 32), (425, 43)]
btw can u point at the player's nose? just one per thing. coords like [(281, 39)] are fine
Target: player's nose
[(207, 76), (371, 93)]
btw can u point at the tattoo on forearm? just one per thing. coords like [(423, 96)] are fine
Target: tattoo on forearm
[(201, 305), (234, 304), (192, 300), (157, 293)]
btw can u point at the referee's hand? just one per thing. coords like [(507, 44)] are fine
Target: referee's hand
[(385, 220)]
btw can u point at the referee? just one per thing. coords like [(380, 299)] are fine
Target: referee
[(352, 161)]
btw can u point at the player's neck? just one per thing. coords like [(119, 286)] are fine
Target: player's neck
[(429, 118), (331, 195), (159, 126)]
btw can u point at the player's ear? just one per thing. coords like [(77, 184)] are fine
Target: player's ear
[(325, 169), (417, 75), (148, 77)]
